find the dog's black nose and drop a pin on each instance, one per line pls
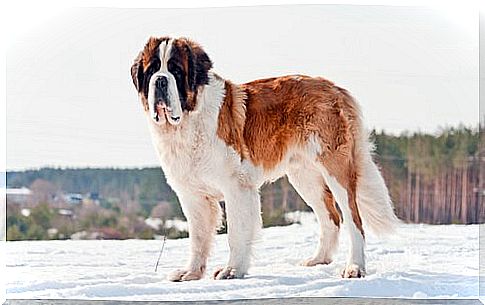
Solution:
(161, 82)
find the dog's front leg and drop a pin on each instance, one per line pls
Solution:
(243, 212)
(203, 217)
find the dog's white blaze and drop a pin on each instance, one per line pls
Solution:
(172, 92)
(164, 49)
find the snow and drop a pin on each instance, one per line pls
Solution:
(156, 223)
(419, 261)
(177, 224)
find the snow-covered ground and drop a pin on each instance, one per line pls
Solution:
(420, 261)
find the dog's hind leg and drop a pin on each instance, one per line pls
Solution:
(341, 177)
(310, 185)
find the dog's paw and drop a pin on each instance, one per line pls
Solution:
(227, 273)
(310, 262)
(353, 271)
(184, 275)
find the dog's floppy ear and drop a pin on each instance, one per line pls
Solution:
(137, 72)
(191, 68)
(199, 65)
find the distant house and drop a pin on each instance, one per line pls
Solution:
(25, 212)
(73, 198)
(94, 197)
(65, 212)
(18, 195)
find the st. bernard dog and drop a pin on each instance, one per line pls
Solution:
(217, 140)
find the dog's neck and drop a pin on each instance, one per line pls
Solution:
(210, 96)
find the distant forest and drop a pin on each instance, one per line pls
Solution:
(436, 179)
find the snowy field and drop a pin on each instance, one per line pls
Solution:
(421, 261)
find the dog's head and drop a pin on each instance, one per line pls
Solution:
(167, 74)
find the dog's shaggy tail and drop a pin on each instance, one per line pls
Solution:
(375, 205)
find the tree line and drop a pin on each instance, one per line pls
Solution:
(433, 178)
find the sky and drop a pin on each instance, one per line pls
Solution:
(71, 101)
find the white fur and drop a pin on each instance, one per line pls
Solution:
(375, 205)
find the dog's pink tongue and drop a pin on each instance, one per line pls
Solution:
(159, 109)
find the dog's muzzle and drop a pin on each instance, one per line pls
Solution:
(162, 105)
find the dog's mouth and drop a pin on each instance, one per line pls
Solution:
(163, 111)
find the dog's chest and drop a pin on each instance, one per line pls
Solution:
(185, 156)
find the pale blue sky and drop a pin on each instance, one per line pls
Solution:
(70, 100)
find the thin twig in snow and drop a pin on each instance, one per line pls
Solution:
(161, 250)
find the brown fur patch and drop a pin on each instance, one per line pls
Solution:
(144, 102)
(182, 58)
(150, 51)
(352, 197)
(330, 203)
(341, 165)
(285, 111)
(356, 215)
(232, 119)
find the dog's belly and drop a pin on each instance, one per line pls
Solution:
(293, 159)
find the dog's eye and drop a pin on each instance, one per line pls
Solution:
(171, 66)
(176, 71)
(156, 64)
